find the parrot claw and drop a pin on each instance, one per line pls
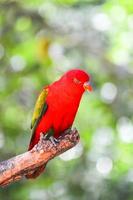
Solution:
(75, 130)
(54, 141)
(68, 131)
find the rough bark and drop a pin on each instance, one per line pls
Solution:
(17, 167)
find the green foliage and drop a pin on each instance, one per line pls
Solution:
(39, 40)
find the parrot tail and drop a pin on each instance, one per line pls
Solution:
(36, 173)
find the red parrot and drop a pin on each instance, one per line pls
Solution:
(57, 106)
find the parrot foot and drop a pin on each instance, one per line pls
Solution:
(68, 131)
(52, 139)
(72, 134)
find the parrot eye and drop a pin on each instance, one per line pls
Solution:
(75, 80)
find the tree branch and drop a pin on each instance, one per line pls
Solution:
(17, 167)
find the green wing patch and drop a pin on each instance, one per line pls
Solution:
(40, 107)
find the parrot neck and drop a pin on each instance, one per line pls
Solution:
(71, 90)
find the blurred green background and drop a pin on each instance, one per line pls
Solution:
(39, 41)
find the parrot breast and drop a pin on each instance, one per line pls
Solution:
(62, 108)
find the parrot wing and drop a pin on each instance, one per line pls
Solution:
(40, 108)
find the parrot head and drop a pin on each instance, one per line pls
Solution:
(78, 79)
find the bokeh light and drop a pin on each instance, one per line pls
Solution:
(108, 92)
(74, 153)
(125, 130)
(17, 63)
(101, 22)
(104, 165)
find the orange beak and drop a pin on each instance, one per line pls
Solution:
(87, 86)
